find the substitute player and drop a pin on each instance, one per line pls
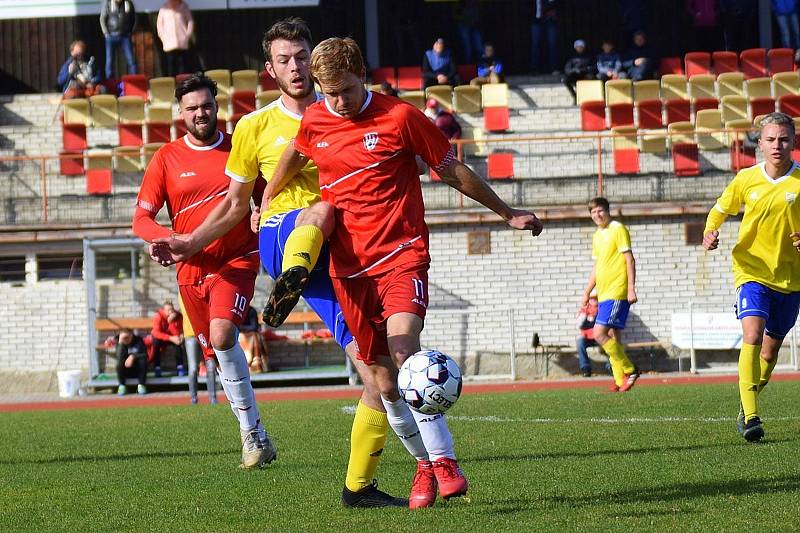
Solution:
(291, 236)
(216, 283)
(766, 267)
(614, 276)
(365, 146)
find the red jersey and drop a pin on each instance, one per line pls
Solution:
(368, 172)
(191, 181)
(163, 329)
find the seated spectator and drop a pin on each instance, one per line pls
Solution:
(131, 361)
(490, 69)
(386, 88)
(252, 342)
(79, 77)
(438, 66)
(640, 61)
(586, 318)
(581, 66)
(609, 64)
(168, 333)
(444, 120)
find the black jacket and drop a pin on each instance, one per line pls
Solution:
(117, 18)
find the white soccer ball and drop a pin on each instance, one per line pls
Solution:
(429, 382)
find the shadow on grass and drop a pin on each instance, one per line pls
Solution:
(117, 457)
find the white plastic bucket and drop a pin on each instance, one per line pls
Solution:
(69, 382)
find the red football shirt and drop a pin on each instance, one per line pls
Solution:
(191, 181)
(368, 172)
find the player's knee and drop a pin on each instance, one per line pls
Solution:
(752, 337)
(223, 336)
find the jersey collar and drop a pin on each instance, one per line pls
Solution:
(292, 114)
(367, 100)
(204, 148)
(775, 181)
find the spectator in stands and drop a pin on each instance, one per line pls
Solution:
(585, 339)
(704, 20)
(444, 120)
(131, 361)
(581, 66)
(640, 61)
(739, 23)
(175, 26)
(438, 66)
(786, 16)
(168, 333)
(78, 77)
(490, 69)
(386, 88)
(543, 29)
(252, 342)
(609, 64)
(117, 20)
(467, 16)
(194, 355)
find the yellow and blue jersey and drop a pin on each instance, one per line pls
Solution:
(609, 245)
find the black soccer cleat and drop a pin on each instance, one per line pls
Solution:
(288, 288)
(753, 430)
(371, 497)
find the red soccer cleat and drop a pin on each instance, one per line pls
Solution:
(423, 488)
(630, 380)
(450, 478)
(613, 388)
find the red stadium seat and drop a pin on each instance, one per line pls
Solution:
(71, 163)
(697, 63)
(762, 106)
(685, 159)
(73, 137)
(409, 78)
(753, 63)
(382, 74)
(725, 61)
(705, 103)
(593, 116)
(670, 65)
(677, 111)
(98, 181)
(626, 160)
(134, 85)
(180, 127)
(467, 72)
(742, 156)
(158, 132)
(266, 81)
(620, 115)
(243, 102)
(780, 60)
(789, 104)
(796, 149)
(650, 116)
(130, 134)
(496, 118)
(500, 166)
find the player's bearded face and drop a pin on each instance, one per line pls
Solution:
(199, 113)
(289, 66)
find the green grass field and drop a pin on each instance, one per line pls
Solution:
(655, 459)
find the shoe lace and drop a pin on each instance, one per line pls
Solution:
(423, 478)
(252, 442)
(448, 469)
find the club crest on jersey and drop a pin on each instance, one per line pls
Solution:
(791, 197)
(371, 140)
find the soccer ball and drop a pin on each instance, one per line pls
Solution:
(429, 382)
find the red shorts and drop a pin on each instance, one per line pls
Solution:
(225, 295)
(367, 302)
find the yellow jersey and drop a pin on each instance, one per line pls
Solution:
(609, 245)
(258, 142)
(764, 251)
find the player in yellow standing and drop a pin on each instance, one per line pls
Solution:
(766, 265)
(614, 276)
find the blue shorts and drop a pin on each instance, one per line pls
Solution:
(319, 292)
(613, 313)
(777, 308)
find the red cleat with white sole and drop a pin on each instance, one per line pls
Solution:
(450, 478)
(423, 488)
(630, 380)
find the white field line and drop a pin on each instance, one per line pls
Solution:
(350, 410)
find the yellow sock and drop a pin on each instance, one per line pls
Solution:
(366, 445)
(749, 376)
(766, 371)
(302, 247)
(620, 364)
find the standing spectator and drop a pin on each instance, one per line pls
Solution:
(467, 16)
(168, 332)
(175, 26)
(704, 20)
(117, 20)
(438, 66)
(609, 64)
(252, 342)
(586, 317)
(490, 69)
(543, 28)
(739, 23)
(78, 77)
(580, 66)
(444, 120)
(640, 61)
(786, 17)
(194, 355)
(131, 361)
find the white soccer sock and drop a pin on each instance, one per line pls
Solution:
(236, 383)
(436, 435)
(402, 422)
(225, 389)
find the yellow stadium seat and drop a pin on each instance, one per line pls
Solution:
(76, 111)
(223, 106)
(589, 91)
(149, 150)
(442, 94)
(674, 87)
(702, 86)
(104, 110)
(654, 141)
(741, 127)
(708, 123)
(494, 95)
(730, 84)
(131, 109)
(733, 108)
(127, 159)
(101, 158)
(415, 98)
(646, 90)
(619, 92)
(681, 133)
(245, 80)
(785, 83)
(222, 77)
(467, 99)
(266, 97)
(759, 88)
(162, 91)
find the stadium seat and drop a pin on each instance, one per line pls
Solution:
(180, 126)
(742, 155)
(496, 119)
(149, 150)
(409, 78)
(790, 104)
(467, 72)
(796, 150)
(222, 77)
(243, 102)
(494, 95)
(382, 74)
(733, 108)
(466, 99)
(759, 92)
(131, 118)
(702, 92)
(130, 134)
(415, 98)
(653, 141)
(442, 94)
(730, 83)
(182, 76)
(500, 165)
(71, 163)
(73, 125)
(675, 95)
(589, 91)
(104, 110)
(724, 61)
(127, 159)
(685, 157)
(786, 83)
(650, 114)
(697, 63)
(158, 132)
(245, 80)
(134, 85)
(619, 101)
(266, 82)
(593, 115)
(626, 150)
(780, 60)
(708, 124)
(267, 97)
(162, 91)
(223, 107)
(670, 65)
(98, 181)
(73, 137)
(753, 63)
(76, 111)
(646, 90)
